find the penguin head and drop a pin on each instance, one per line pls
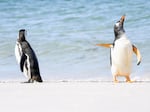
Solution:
(118, 27)
(22, 33)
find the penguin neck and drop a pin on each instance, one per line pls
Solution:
(21, 38)
(119, 34)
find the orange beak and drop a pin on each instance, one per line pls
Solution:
(122, 19)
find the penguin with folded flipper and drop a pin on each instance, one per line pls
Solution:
(121, 51)
(27, 59)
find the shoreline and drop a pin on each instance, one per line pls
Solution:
(21, 81)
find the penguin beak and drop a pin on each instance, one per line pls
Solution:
(122, 19)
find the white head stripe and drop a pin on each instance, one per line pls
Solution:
(117, 24)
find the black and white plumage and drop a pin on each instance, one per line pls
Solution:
(121, 52)
(26, 58)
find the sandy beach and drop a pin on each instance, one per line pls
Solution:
(74, 96)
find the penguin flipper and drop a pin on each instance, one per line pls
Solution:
(105, 45)
(138, 54)
(22, 61)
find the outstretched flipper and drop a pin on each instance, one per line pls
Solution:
(137, 52)
(22, 61)
(105, 45)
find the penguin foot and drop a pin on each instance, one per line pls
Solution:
(130, 81)
(116, 81)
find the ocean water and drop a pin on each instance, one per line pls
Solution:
(63, 34)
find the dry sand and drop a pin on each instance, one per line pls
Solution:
(74, 97)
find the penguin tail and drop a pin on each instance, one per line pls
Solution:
(37, 78)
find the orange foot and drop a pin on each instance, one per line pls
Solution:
(116, 81)
(130, 81)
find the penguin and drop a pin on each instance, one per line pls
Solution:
(121, 52)
(27, 59)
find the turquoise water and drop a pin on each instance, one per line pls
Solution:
(63, 34)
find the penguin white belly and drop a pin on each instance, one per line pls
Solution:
(121, 56)
(18, 52)
(25, 71)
